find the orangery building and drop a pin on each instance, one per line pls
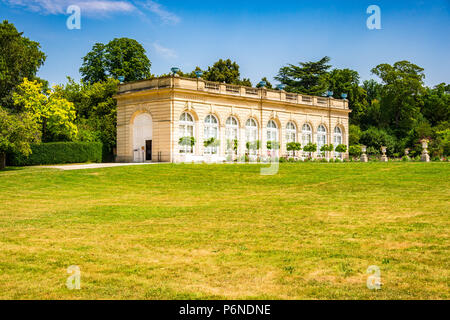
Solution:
(174, 119)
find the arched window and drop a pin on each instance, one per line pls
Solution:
(337, 139)
(232, 134)
(272, 135)
(306, 134)
(291, 135)
(321, 137)
(251, 136)
(272, 131)
(211, 132)
(291, 132)
(337, 136)
(186, 132)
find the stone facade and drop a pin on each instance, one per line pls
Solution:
(167, 99)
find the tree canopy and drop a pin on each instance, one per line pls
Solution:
(96, 110)
(347, 81)
(19, 58)
(120, 57)
(54, 114)
(17, 132)
(401, 95)
(226, 71)
(223, 71)
(306, 78)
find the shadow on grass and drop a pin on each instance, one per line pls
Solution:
(12, 169)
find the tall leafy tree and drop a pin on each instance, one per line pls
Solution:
(94, 67)
(347, 81)
(225, 71)
(436, 104)
(307, 77)
(96, 110)
(17, 132)
(120, 57)
(54, 114)
(19, 58)
(373, 90)
(401, 95)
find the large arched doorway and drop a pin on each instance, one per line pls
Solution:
(143, 137)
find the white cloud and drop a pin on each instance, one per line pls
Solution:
(88, 7)
(156, 8)
(98, 7)
(164, 52)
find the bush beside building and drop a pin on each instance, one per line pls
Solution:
(59, 153)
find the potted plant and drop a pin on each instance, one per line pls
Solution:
(232, 145)
(326, 149)
(253, 146)
(211, 142)
(293, 147)
(187, 141)
(310, 148)
(342, 148)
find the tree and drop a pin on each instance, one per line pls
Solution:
(347, 81)
(95, 67)
(224, 71)
(17, 131)
(376, 138)
(54, 114)
(96, 111)
(268, 84)
(354, 134)
(293, 146)
(436, 107)
(120, 57)
(442, 142)
(273, 145)
(373, 90)
(341, 148)
(400, 95)
(354, 151)
(19, 58)
(310, 147)
(372, 116)
(307, 78)
(246, 82)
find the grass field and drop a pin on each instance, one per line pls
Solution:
(226, 232)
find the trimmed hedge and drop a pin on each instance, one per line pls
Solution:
(59, 153)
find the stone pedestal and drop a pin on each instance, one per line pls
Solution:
(384, 158)
(364, 158)
(425, 157)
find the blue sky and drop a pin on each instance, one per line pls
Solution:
(260, 35)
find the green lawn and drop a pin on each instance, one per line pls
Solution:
(226, 232)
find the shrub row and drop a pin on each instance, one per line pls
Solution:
(59, 153)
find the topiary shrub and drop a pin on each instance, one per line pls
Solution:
(342, 148)
(310, 147)
(355, 151)
(59, 153)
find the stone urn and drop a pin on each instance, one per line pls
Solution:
(407, 153)
(384, 158)
(425, 156)
(364, 157)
